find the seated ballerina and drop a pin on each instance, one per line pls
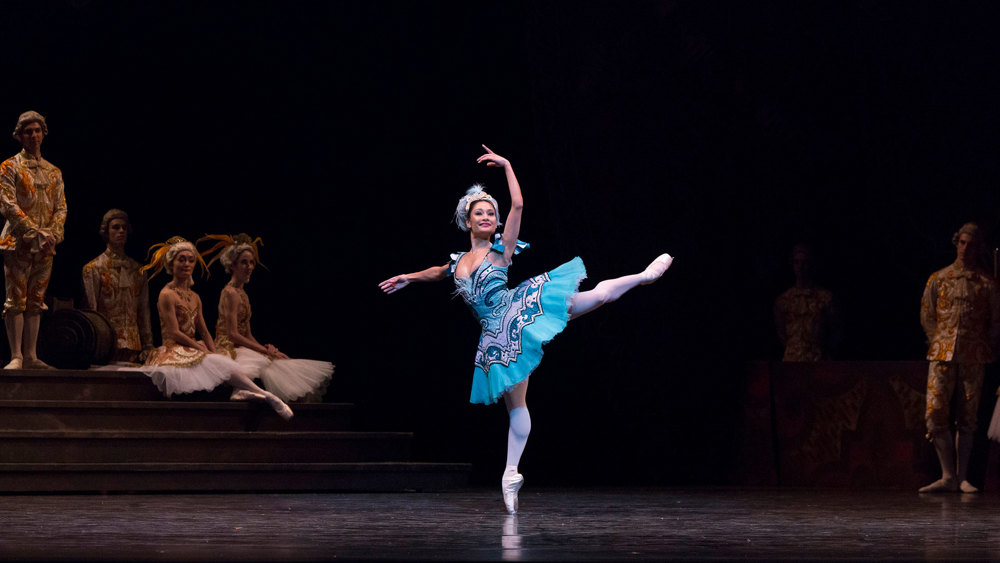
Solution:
(183, 364)
(289, 379)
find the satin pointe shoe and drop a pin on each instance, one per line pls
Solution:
(283, 410)
(656, 268)
(244, 395)
(510, 486)
(15, 363)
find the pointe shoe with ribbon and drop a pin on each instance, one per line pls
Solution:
(283, 410)
(510, 486)
(656, 268)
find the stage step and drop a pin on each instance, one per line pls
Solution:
(115, 446)
(77, 385)
(234, 477)
(169, 415)
(113, 431)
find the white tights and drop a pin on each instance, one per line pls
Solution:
(604, 292)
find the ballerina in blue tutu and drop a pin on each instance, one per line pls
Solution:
(515, 322)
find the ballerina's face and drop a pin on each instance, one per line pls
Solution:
(482, 219)
(184, 264)
(244, 266)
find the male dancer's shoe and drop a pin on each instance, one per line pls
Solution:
(35, 363)
(510, 486)
(967, 487)
(656, 269)
(15, 363)
(941, 486)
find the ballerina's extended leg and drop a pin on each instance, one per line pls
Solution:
(610, 290)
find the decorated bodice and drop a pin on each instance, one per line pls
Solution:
(186, 311)
(242, 313)
(485, 290)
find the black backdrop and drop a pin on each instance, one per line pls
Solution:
(343, 133)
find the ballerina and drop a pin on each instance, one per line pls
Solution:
(289, 379)
(183, 364)
(515, 322)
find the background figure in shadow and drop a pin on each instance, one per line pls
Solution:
(114, 287)
(960, 313)
(805, 316)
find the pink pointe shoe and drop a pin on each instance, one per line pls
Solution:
(656, 269)
(510, 486)
(244, 395)
(283, 410)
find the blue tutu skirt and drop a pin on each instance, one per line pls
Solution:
(537, 312)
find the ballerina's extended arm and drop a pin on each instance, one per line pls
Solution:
(395, 283)
(512, 227)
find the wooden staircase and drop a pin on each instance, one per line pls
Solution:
(108, 431)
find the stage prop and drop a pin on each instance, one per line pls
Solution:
(75, 339)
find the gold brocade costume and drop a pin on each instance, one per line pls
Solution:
(172, 353)
(960, 313)
(32, 200)
(804, 319)
(114, 287)
(222, 340)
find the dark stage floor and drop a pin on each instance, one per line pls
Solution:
(558, 525)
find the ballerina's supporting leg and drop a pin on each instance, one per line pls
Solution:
(517, 437)
(610, 290)
(241, 381)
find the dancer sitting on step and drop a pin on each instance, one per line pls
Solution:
(183, 364)
(287, 378)
(515, 322)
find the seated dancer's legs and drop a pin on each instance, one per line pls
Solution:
(610, 290)
(517, 437)
(242, 382)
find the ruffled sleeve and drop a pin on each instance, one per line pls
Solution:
(499, 247)
(454, 262)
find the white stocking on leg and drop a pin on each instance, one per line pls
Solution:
(610, 290)
(31, 324)
(14, 323)
(944, 445)
(517, 437)
(964, 448)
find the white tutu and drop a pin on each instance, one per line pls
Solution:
(206, 375)
(288, 379)
(994, 431)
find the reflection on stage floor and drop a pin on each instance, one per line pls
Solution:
(554, 525)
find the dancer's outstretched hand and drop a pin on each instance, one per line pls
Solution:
(493, 159)
(394, 284)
